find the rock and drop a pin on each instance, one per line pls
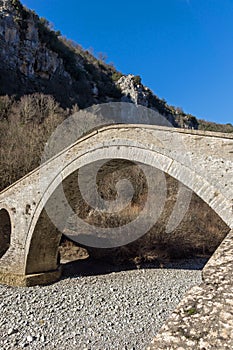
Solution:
(96, 325)
(11, 331)
(134, 91)
(30, 339)
(34, 58)
(21, 48)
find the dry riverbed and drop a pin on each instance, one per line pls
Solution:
(108, 310)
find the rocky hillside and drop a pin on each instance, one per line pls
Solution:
(43, 79)
(35, 58)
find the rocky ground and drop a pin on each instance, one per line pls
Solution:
(107, 310)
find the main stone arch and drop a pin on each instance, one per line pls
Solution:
(203, 164)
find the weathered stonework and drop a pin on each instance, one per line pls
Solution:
(12, 279)
(201, 161)
(204, 318)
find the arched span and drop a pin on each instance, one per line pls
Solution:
(5, 231)
(139, 152)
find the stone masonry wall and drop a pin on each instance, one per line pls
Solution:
(204, 318)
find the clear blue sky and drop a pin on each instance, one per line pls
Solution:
(182, 49)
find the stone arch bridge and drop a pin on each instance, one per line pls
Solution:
(202, 161)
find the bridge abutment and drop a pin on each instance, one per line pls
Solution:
(29, 280)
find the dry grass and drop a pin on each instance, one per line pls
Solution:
(26, 125)
(199, 234)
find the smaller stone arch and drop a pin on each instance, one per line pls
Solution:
(5, 231)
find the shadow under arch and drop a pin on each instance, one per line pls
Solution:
(137, 153)
(5, 231)
(198, 235)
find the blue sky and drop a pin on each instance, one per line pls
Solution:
(182, 49)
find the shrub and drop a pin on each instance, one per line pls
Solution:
(37, 107)
(6, 103)
(137, 80)
(55, 44)
(24, 130)
(116, 76)
(210, 126)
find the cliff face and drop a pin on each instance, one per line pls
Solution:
(134, 91)
(21, 48)
(25, 62)
(34, 58)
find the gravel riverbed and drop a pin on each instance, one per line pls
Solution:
(120, 310)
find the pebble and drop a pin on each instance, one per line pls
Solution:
(29, 338)
(10, 331)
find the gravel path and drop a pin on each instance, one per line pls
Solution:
(121, 310)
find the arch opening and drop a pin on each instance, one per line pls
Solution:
(149, 157)
(200, 233)
(5, 231)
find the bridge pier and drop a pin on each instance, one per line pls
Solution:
(25, 259)
(40, 266)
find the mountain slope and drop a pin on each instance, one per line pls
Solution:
(46, 78)
(34, 58)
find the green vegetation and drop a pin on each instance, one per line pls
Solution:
(210, 126)
(160, 104)
(75, 58)
(17, 5)
(191, 311)
(116, 76)
(64, 51)
(85, 70)
(22, 13)
(137, 80)
(26, 122)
